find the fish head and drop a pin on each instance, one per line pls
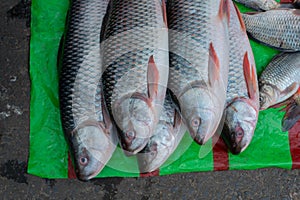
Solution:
(201, 113)
(135, 120)
(268, 95)
(240, 122)
(158, 148)
(92, 148)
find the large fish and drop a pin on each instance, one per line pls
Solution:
(242, 104)
(85, 121)
(278, 28)
(136, 62)
(167, 135)
(280, 80)
(198, 42)
(260, 4)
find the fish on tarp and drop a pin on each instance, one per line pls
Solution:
(259, 4)
(242, 103)
(280, 80)
(134, 43)
(279, 28)
(198, 44)
(85, 121)
(167, 135)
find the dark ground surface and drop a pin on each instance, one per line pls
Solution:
(14, 135)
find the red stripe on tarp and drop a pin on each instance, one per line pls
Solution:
(150, 174)
(220, 154)
(71, 171)
(286, 1)
(294, 139)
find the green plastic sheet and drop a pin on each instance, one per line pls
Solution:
(48, 149)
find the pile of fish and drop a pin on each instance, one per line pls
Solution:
(139, 73)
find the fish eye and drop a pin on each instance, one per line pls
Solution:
(240, 134)
(130, 134)
(196, 122)
(83, 161)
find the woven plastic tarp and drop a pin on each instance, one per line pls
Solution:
(49, 156)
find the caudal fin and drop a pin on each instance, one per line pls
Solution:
(291, 116)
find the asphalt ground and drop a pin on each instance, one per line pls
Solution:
(15, 183)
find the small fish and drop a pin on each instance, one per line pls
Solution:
(85, 121)
(242, 104)
(198, 44)
(280, 80)
(260, 4)
(167, 135)
(278, 28)
(134, 43)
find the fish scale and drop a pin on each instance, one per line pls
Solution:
(88, 130)
(134, 32)
(166, 137)
(278, 28)
(282, 71)
(196, 29)
(79, 80)
(242, 104)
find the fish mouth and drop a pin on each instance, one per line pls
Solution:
(200, 139)
(235, 149)
(83, 177)
(131, 150)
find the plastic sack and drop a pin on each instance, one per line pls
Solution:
(49, 156)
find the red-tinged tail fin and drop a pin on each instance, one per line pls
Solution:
(224, 10)
(250, 77)
(152, 78)
(291, 117)
(213, 65)
(243, 27)
(164, 10)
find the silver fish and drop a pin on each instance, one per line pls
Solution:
(260, 4)
(85, 121)
(242, 103)
(198, 42)
(136, 63)
(167, 135)
(280, 80)
(278, 28)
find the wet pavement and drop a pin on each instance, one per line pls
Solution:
(15, 183)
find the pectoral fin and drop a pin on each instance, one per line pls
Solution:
(152, 78)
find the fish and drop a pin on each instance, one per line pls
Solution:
(279, 80)
(198, 45)
(242, 103)
(134, 43)
(167, 135)
(296, 4)
(279, 28)
(87, 126)
(259, 4)
(292, 115)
